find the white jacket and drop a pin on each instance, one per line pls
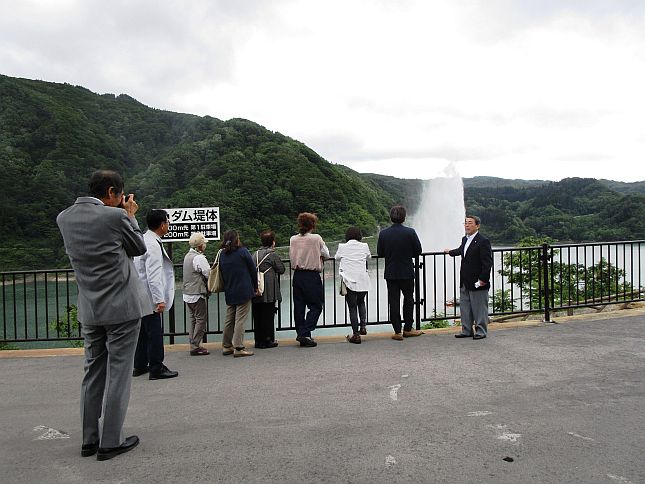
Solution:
(155, 269)
(353, 257)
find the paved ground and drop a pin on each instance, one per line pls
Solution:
(565, 403)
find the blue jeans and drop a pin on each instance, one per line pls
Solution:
(307, 292)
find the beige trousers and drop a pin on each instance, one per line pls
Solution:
(234, 322)
(198, 316)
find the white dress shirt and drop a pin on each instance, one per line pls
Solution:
(468, 241)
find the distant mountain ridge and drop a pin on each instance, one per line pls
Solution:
(571, 210)
(52, 136)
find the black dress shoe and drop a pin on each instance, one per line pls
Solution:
(163, 374)
(129, 444)
(307, 342)
(479, 336)
(267, 345)
(462, 335)
(88, 450)
(138, 372)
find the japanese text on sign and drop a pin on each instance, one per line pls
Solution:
(187, 221)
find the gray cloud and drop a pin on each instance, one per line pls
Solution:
(340, 148)
(561, 118)
(496, 20)
(136, 46)
(585, 157)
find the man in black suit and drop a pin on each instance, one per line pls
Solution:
(476, 263)
(399, 245)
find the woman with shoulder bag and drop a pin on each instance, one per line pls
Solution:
(270, 267)
(240, 287)
(353, 257)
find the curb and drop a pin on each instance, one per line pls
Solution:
(55, 352)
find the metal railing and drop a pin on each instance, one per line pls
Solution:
(39, 306)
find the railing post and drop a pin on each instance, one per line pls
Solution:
(545, 271)
(171, 313)
(417, 292)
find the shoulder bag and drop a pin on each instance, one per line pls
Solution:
(215, 279)
(260, 273)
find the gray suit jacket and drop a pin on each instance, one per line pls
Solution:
(100, 242)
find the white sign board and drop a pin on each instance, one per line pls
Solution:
(187, 221)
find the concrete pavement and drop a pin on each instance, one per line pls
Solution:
(536, 403)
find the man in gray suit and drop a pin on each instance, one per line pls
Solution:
(101, 235)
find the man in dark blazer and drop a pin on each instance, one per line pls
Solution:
(101, 235)
(399, 245)
(476, 262)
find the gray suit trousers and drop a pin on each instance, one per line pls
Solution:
(105, 391)
(473, 306)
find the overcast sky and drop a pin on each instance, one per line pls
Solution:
(534, 89)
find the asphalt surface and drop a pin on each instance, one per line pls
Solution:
(547, 403)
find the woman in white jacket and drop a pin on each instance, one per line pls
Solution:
(353, 257)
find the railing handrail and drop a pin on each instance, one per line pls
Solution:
(524, 280)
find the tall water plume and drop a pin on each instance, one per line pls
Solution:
(439, 218)
(439, 222)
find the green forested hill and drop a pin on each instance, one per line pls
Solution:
(574, 209)
(52, 136)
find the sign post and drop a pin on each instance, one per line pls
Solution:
(183, 223)
(186, 221)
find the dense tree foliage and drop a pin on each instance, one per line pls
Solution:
(574, 209)
(52, 136)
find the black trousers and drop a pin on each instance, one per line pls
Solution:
(307, 293)
(396, 287)
(356, 306)
(149, 353)
(263, 327)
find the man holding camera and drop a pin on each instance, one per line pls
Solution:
(101, 234)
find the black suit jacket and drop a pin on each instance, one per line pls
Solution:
(477, 263)
(399, 245)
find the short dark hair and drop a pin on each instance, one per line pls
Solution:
(397, 214)
(231, 241)
(267, 237)
(306, 222)
(101, 181)
(353, 233)
(477, 220)
(155, 218)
